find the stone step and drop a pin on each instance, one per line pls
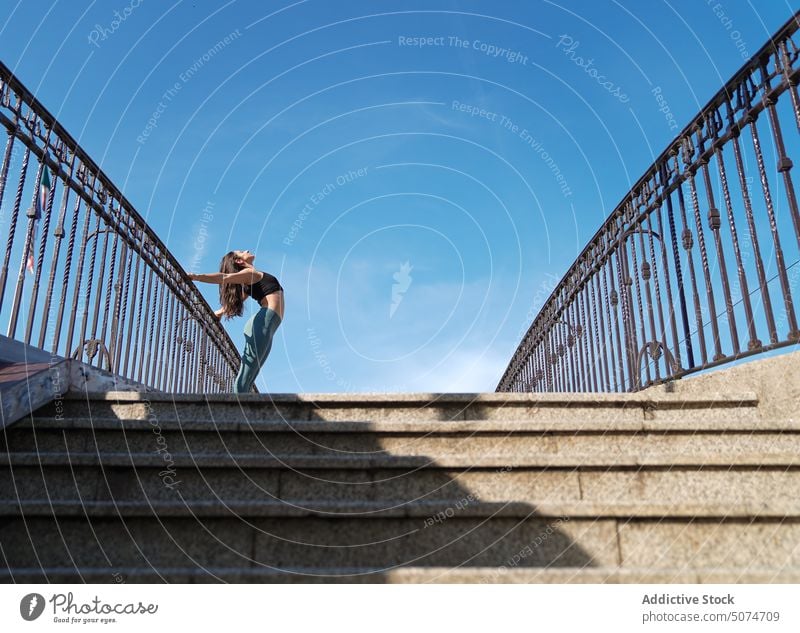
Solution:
(756, 453)
(382, 543)
(761, 487)
(416, 575)
(725, 421)
(428, 512)
(207, 438)
(407, 407)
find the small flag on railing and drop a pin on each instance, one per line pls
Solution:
(41, 205)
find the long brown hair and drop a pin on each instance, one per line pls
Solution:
(231, 296)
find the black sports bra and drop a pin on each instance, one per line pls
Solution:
(264, 286)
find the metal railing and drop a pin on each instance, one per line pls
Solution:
(699, 264)
(111, 295)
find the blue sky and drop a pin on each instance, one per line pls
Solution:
(419, 175)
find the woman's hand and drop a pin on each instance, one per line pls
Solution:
(193, 276)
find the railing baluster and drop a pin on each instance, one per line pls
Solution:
(784, 162)
(753, 340)
(118, 311)
(175, 334)
(551, 361)
(759, 262)
(67, 270)
(143, 347)
(561, 351)
(786, 290)
(790, 79)
(676, 258)
(591, 380)
(613, 317)
(714, 223)
(120, 329)
(625, 311)
(109, 293)
(542, 374)
(58, 235)
(6, 164)
(158, 342)
(548, 364)
(90, 280)
(654, 267)
(701, 242)
(602, 368)
(647, 273)
(634, 273)
(28, 246)
(12, 230)
(192, 353)
(204, 385)
(580, 343)
(687, 241)
(150, 348)
(44, 223)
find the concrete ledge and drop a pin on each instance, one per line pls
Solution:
(86, 380)
(14, 351)
(25, 387)
(30, 378)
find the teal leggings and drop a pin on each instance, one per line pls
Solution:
(258, 333)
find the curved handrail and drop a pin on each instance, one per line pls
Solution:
(646, 322)
(159, 331)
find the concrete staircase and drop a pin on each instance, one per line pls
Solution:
(693, 482)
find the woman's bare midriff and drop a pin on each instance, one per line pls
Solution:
(274, 300)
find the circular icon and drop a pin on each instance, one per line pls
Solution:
(31, 606)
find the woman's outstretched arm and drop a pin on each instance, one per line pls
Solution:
(212, 278)
(241, 277)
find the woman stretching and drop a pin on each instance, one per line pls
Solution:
(237, 280)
